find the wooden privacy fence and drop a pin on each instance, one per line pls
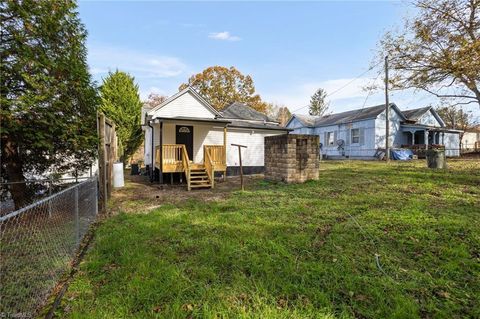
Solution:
(107, 155)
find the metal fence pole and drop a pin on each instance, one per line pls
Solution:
(95, 194)
(77, 221)
(50, 201)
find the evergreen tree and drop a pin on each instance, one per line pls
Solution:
(121, 103)
(318, 103)
(48, 102)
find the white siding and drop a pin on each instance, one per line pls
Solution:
(253, 155)
(148, 146)
(469, 139)
(429, 119)
(396, 135)
(185, 105)
(452, 144)
(299, 128)
(204, 134)
(364, 148)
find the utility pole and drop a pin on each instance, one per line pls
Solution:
(387, 113)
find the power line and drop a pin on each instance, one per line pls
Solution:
(345, 85)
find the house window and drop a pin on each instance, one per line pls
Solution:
(355, 135)
(330, 138)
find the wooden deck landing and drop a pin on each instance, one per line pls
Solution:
(175, 160)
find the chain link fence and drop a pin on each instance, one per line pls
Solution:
(39, 240)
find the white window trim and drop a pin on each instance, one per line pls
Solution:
(330, 135)
(357, 136)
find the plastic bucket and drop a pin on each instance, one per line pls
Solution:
(118, 175)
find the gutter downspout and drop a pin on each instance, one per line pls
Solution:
(152, 168)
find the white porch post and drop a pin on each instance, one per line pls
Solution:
(413, 137)
(426, 139)
(225, 152)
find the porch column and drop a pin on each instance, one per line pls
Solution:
(443, 138)
(225, 152)
(426, 139)
(413, 137)
(152, 156)
(160, 139)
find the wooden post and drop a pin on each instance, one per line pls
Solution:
(387, 113)
(114, 143)
(101, 163)
(225, 152)
(160, 168)
(240, 162)
(110, 164)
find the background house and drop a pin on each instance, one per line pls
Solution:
(361, 134)
(471, 139)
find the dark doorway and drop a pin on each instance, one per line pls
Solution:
(184, 135)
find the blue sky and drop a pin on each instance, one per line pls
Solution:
(289, 48)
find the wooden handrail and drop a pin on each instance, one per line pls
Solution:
(217, 154)
(209, 166)
(157, 155)
(186, 165)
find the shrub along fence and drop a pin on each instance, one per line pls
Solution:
(38, 242)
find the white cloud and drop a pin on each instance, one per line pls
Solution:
(340, 91)
(139, 64)
(223, 36)
(348, 94)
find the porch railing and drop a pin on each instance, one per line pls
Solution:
(209, 166)
(186, 165)
(217, 154)
(173, 158)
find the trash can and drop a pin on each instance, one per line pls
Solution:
(436, 158)
(134, 169)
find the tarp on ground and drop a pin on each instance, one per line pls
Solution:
(401, 154)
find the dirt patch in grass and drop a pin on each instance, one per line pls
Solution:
(140, 195)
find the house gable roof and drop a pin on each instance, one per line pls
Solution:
(240, 111)
(345, 117)
(189, 90)
(414, 115)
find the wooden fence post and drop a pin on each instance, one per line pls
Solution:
(101, 164)
(240, 159)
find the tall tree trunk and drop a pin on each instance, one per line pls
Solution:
(13, 167)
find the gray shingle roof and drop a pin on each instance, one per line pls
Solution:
(251, 125)
(240, 111)
(343, 117)
(415, 114)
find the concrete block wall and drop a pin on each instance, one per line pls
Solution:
(292, 158)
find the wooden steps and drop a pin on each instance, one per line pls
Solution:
(199, 177)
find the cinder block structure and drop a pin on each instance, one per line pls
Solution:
(292, 158)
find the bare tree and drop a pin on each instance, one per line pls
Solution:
(438, 50)
(154, 100)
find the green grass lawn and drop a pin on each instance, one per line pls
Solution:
(294, 251)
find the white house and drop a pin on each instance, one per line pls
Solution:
(361, 133)
(471, 139)
(195, 139)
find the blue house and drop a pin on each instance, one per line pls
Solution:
(361, 134)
